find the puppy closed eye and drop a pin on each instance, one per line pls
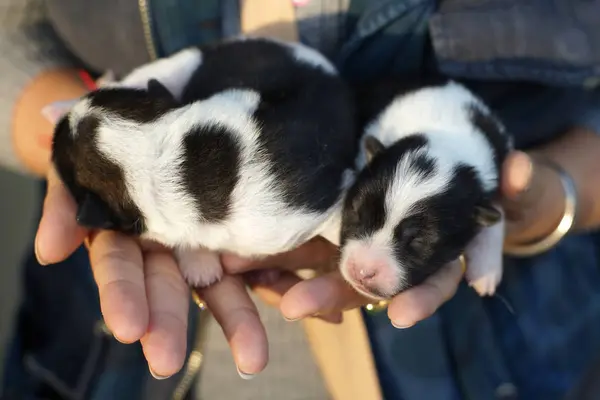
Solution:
(411, 234)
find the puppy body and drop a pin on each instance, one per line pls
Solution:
(430, 163)
(243, 147)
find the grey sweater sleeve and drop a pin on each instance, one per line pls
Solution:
(28, 46)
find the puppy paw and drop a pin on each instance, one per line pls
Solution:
(200, 267)
(486, 284)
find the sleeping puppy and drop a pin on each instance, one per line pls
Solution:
(430, 163)
(244, 146)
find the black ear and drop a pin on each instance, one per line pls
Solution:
(93, 213)
(372, 147)
(487, 215)
(157, 89)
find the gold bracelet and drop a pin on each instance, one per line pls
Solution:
(564, 226)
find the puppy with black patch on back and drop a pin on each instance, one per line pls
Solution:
(427, 190)
(244, 146)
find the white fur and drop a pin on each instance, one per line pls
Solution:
(150, 155)
(200, 267)
(311, 57)
(79, 110)
(441, 114)
(173, 72)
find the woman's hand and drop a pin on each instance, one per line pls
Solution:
(533, 200)
(142, 293)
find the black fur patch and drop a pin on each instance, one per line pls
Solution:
(133, 104)
(83, 169)
(306, 115)
(492, 130)
(364, 208)
(438, 228)
(211, 170)
(373, 97)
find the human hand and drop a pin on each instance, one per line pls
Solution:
(533, 198)
(328, 295)
(142, 293)
(531, 195)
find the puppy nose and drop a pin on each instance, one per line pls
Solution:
(363, 271)
(367, 273)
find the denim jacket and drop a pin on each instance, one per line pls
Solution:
(536, 62)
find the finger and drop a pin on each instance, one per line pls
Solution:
(271, 291)
(324, 295)
(420, 302)
(58, 233)
(233, 309)
(517, 173)
(313, 254)
(118, 270)
(168, 296)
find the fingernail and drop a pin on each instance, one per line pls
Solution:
(290, 319)
(398, 326)
(40, 260)
(156, 376)
(243, 375)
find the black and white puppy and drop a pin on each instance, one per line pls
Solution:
(244, 146)
(429, 164)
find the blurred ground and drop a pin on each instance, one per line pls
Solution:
(291, 373)
(16, 219)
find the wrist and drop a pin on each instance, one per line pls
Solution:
(31, 132)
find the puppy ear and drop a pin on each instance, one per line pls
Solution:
(93, 213)
(372, 147)
(53, 112)
(487, 214)
(157, 89)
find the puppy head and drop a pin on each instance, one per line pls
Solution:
(96, 182)
(407, 215)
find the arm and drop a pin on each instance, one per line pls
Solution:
(33, 72)
(537, 212)
(29, 127)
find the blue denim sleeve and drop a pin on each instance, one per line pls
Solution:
(535, 114)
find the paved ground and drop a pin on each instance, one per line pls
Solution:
(291, 374)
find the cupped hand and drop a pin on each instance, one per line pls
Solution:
(328, 295)
(529, 195)
(142, 293)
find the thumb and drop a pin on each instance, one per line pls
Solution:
(58, 233)
(532, 197)
(519, 184)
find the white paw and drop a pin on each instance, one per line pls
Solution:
(485, 284)
(199, 267)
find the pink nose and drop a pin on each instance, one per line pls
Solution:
(371, 273)
(367, 273)
(363, 272)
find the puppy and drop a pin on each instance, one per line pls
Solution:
(244, 146)
(429, 163)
